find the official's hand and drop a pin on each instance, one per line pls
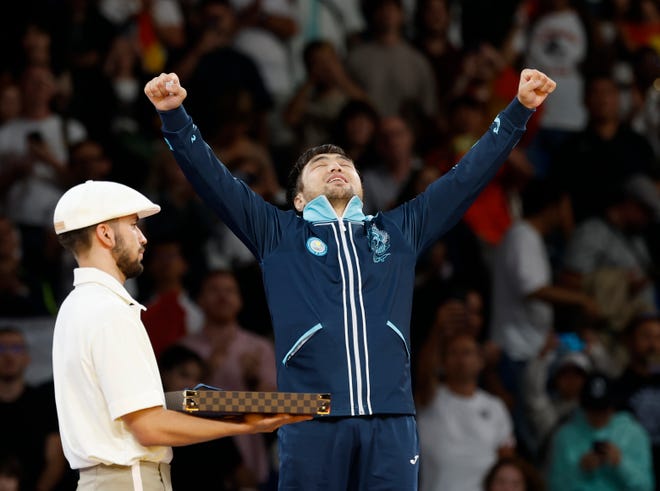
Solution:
(266, 423)
(165, 92)
(534, 87)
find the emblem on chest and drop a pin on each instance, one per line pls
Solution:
(379, 243)
(316, 246)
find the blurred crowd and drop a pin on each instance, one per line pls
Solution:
(536, 330)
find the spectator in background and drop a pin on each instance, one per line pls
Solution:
(463, 430)
(399, 161)
(599, 448)
(236, 358)
(183, 216)
(131, 129)
(397, 77)
(525, 292)
(82, 37)
(639, 384)
(265, 29)
(21, 295)
(558, 43)
(315, 105)
(608, 258)
(87, 161)
(355, 132)
(602, 155)
(157, 27)
(10, 102)
(171, 313)
(218, 72)
(34, 151)
(10, 474)
(37, 142)
(432, 21)
(513, 474)
(37, 449)
(339, 22)
(182, 368)
(552, 383)
(459, 309)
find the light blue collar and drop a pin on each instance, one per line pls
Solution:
(320, 210)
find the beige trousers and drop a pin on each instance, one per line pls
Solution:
(143, 476)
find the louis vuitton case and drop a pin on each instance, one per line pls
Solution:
(211, 402)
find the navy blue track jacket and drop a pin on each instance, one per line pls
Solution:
(340, 289)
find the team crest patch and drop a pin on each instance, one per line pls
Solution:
(379, 243)
(316, 246)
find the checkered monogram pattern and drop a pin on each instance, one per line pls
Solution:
(241, 402)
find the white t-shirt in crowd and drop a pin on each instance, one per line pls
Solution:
(103, 368)
(557, 46)
(459, 439)
(31, 200)
(521, 266)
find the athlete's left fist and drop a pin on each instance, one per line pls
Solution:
(534, 87)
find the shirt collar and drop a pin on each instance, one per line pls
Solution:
(320, 210)
(95, 275)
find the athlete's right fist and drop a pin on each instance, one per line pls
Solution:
(165, 92)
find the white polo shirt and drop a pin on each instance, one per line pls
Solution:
(103, 368)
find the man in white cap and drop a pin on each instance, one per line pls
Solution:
(110, 402)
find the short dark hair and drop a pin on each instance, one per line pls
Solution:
(533, 480)
(78, 240)
(176, 355)
(293, 186)
(311, 48)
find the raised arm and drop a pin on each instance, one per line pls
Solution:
(445, 201)
(254, 221)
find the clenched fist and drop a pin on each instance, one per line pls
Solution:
(534, 87)
(165, 92)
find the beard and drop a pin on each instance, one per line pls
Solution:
(129, 267)
(343, 193)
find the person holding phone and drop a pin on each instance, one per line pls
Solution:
(600, 448)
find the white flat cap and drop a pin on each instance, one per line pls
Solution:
(98, 201)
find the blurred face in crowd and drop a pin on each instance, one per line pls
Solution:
(219, 18)
(166, 264)
(435, 16)
(388, 16)
(10, 102)
(39, 87)
(89, 161)
(645, 345)
(360, 129)
(329, 174)
(462, 360)
(569, 381)
(220, 298)
(508, 478)
(395, 139)
(14, 357)
(602, 100)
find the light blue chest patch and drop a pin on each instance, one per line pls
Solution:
(316, 246)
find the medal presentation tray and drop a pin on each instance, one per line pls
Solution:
(230, 404)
